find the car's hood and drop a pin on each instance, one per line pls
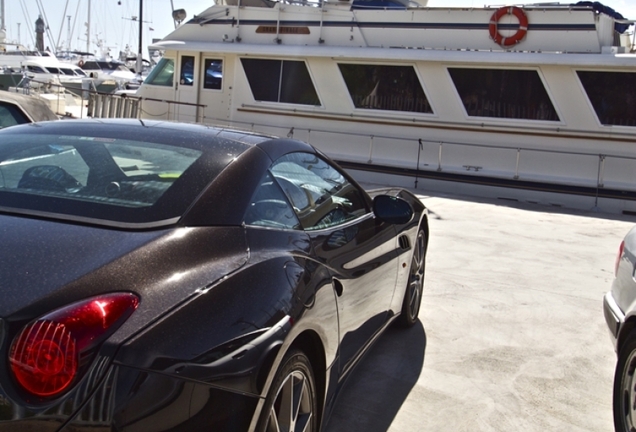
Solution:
(46, 264)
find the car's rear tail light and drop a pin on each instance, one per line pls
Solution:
(45, 356)
(621, 248)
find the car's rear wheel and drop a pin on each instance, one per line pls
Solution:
(415, 284)
(291, 403)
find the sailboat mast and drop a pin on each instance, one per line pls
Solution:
(88, 29)
(2, 27)
(141, 28)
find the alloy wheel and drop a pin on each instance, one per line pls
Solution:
(628, 393)
(416, 277)
(292, 410)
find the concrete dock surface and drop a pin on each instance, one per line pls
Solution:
(511, 334)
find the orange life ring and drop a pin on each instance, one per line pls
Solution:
(80, 63)
(515, 38)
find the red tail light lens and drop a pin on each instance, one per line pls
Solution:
(45, 356)
(621, 248)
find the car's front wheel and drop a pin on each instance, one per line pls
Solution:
(291, 403)
(415, 285)
(625, 387)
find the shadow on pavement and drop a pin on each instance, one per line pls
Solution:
(379, 385)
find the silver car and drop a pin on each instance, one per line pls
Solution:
(619, 307)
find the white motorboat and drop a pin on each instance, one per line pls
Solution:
(41, 66)
(534, 103)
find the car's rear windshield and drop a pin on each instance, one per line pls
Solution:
(106, 180)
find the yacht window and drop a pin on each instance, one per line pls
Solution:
(162, 74)
(503, 93)
(90, 65)
(35, 69)
(381, 87)
(613, 96)
(187, 71)
(213, 74)
(53, 70)
(286, 81)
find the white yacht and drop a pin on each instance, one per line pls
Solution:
(41, 66)
(533, 103)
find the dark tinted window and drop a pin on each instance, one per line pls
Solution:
(11, 115)
(393, 88)
(270, 208)
(90, 65)
(187, 71)
(320, 195)
(280, 81)
(500, 93)
(35, 69)
(108, 177)
(613, 96)
(213, 74)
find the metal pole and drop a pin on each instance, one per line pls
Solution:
(88, 29)
(68, 33)
(601, 172)
(141, 29)
(417, 168)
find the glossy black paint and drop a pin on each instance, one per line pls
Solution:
(221, 302)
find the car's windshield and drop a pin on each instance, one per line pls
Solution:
(112, 179)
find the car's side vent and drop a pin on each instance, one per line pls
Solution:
(405, 244)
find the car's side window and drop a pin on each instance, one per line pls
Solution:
(321, 196)
(270, 208)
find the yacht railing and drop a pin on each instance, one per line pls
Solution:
(416, 156)
(80, 103)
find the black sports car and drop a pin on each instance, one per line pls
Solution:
(168, 277)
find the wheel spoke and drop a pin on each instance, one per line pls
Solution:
(628, 394)
(272, 424)
(302, 421)
(292, 409)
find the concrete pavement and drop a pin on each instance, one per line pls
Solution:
(512, 335)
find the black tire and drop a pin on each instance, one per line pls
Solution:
(625, 387)
(291, 403)
(415, 285)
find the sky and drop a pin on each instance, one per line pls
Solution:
(114, 22)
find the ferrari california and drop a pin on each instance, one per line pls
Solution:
(159, 276)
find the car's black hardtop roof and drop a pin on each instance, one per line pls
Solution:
(230, 166)
(187, 135)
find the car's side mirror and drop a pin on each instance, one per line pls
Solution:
(392, 209)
